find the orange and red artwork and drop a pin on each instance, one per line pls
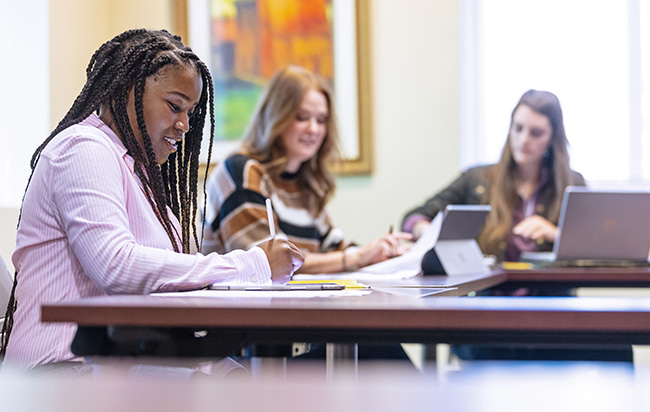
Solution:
(251, 40)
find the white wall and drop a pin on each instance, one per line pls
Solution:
(415, 71)
(24, 105)
(415, 75)
(79, 27)
(24, 91)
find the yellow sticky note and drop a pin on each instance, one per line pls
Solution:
(348, 283)
(516, 265)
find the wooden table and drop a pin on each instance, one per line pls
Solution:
(560, 277)
(603, 277)
(190, 327)
(155, 326)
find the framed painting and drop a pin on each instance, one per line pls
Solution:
(244, 42)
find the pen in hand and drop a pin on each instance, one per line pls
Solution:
(269, 215)
(395, 248)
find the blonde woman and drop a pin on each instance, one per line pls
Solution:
(289, 144)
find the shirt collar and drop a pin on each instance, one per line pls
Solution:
(95, 121)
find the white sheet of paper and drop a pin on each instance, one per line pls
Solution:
(412, 259)
(266, 293)
(402, 267)
(360, 276)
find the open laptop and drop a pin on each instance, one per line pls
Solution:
(600, 228)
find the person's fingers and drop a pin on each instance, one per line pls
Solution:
(526, 227)
(394, 240)
(284, 257)
(522, 231)
(535, 229)
(294, 248)
(402, 235)
(297, 260)
(403, 248)
(520, 227)
(386, 248)
(528, 232)
(535, 234)
(395, 247)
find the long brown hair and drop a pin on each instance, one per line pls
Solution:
(275, 112)
(119, 65)
(502, 195)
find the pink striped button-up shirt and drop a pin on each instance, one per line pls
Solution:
(87, 229)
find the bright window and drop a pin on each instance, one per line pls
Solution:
(590, 53)
(24, 88)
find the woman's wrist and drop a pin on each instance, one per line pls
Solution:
(350, 259)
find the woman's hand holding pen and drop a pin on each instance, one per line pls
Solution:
(284, 258)
(388, 246)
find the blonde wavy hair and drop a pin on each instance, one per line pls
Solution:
(502, 195)
(276, 110)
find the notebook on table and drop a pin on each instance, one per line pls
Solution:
(600, 228)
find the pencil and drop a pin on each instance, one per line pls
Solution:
(269, 215)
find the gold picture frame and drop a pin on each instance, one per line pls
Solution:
(361, 162)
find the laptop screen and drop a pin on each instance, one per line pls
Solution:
(463, 221)
(603, 225)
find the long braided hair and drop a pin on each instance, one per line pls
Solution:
(119, 65)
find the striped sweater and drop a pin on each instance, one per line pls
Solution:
(236, 212)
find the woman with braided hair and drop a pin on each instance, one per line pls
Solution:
(112, 200)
